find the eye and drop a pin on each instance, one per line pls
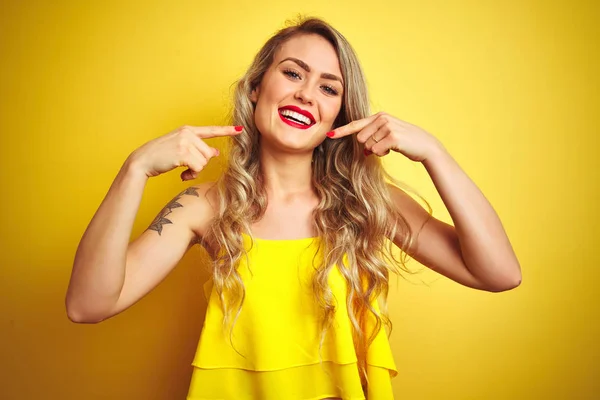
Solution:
(291, 73)
(330, 90)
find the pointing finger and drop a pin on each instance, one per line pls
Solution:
(352, 127)
(207, 132)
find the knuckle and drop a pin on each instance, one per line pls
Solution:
(185, 130)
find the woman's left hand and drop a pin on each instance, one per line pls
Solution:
(382, 132)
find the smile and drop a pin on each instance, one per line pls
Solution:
(296, 117)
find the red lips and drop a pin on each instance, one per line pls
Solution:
(300, 111)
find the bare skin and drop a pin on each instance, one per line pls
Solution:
(110, 274)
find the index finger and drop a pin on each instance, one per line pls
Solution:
(352, 127)
(207, 132)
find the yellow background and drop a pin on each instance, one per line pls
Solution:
(511, 88)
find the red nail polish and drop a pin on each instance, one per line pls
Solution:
(367, 152)
(330, 134)
(239, 128)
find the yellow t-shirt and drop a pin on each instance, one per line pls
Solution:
(277, 336)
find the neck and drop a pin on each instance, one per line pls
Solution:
(286, 175)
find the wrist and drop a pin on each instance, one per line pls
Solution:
(133, 166)
(436, 154)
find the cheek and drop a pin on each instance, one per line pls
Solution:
(262, 115)
(333, 110)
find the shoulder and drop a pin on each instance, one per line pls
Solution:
(201, 203)
(407, 206)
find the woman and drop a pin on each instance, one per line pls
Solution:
(300, 228)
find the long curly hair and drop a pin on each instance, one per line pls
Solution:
(354, 217)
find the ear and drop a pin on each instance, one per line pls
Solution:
(254, 94)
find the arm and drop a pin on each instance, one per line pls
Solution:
(478, 235)
(477, 253)
(110, 274)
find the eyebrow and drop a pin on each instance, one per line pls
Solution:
(306, 67)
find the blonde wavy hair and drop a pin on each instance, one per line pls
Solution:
(353, 218)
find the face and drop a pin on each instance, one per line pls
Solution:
(300, 94)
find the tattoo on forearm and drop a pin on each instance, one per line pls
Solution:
(161, 219)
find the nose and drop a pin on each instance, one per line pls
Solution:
(304, 94)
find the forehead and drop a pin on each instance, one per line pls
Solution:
(314, 50)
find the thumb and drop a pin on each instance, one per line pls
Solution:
(188, 175)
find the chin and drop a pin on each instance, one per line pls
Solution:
(290, 140)
(295, 147)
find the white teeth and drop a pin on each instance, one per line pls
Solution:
(297, 116)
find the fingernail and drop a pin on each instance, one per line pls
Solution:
(218, 152)
(239, 128)
(367, 152)
(330, 134)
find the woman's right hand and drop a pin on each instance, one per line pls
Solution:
(184, 146)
